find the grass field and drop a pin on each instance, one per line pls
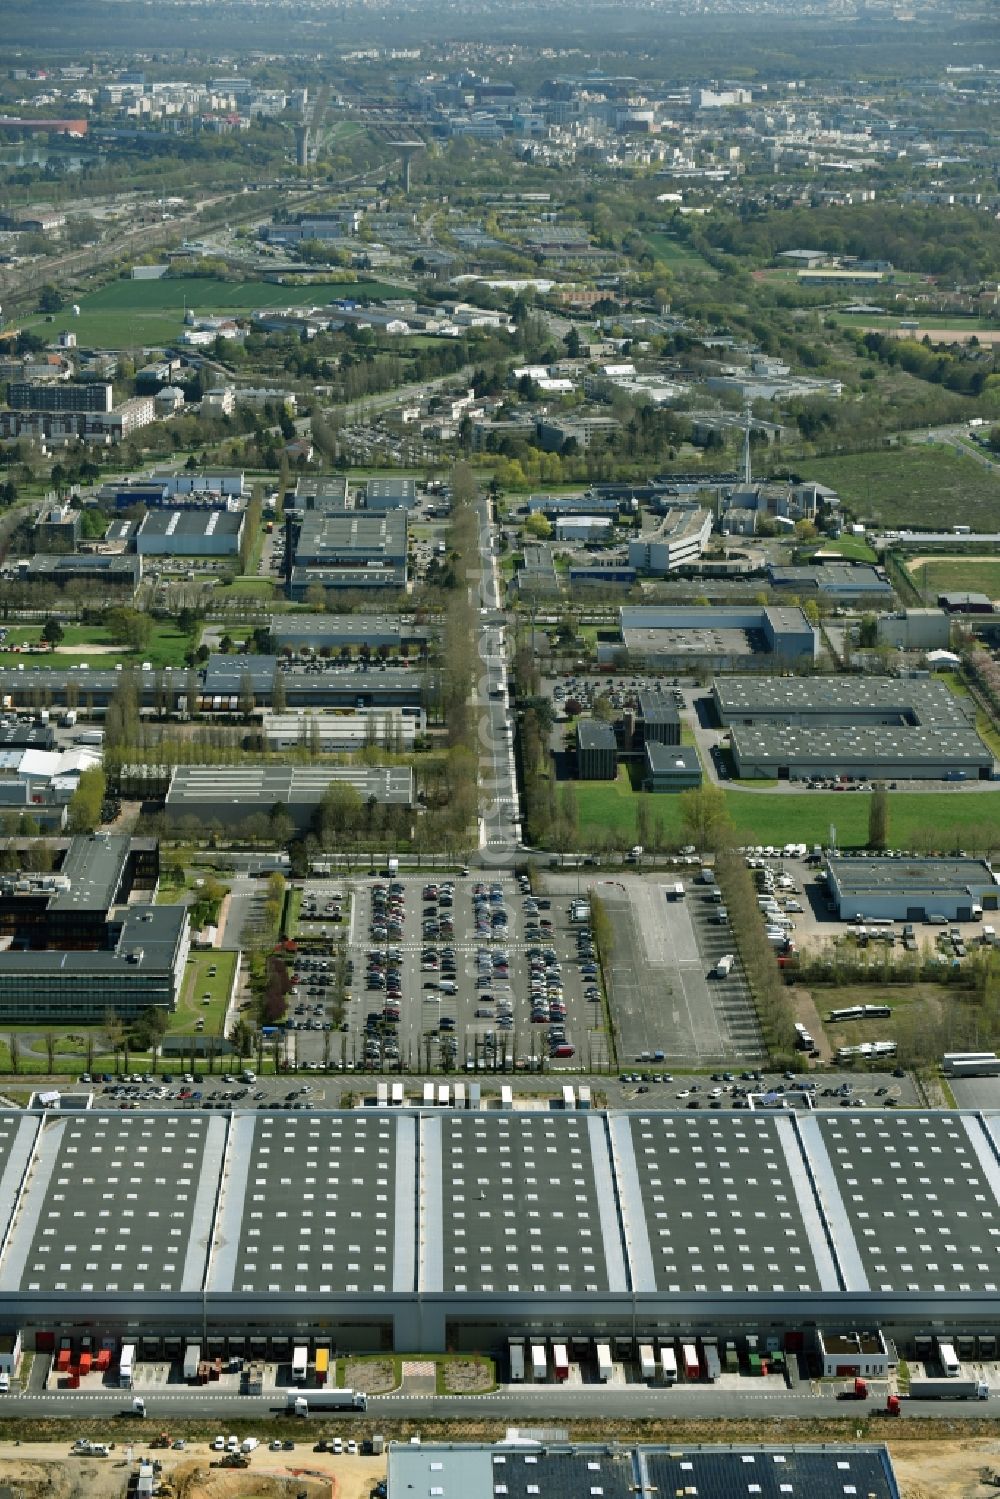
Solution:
(929, 485)
(958, 574)
(889, 322)
(126, 314)
(166, 647)
(851, 547)
(676, 254)
(199, 980)
(917, 819)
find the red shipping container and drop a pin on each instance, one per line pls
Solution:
(85, 1362)
(104, 1359)
(63, 1359)
(73, 1382)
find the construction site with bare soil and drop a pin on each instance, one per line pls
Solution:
(939, 1460)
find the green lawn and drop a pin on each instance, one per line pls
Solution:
(128, 313)
(676, 254)
(971, 818)
(198, 980)
(926, 485)
(166, 647)
(960, 574)
(852, 547)
(889, 322)
(253, 587)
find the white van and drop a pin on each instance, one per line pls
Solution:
(447, 986)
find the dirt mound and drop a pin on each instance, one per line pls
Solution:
(200, 1481)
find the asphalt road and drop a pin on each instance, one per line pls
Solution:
(529, 1402)
(500, 816)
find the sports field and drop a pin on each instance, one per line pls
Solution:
(927, 484)
(130, 314)
(934, 575)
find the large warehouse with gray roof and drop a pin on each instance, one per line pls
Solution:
(524, 1466)
(415, 1229)
(864, 727)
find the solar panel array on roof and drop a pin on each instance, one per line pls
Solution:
(319, 1209)
(766, 1473)
(590, 1474)
(721, 1205)
(123, 1209)
(920, 1194)
(520, 1205)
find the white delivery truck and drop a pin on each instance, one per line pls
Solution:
(647, 1362)
(517, 1363)
(539, 1362)
(325, 1400)
(724, 966)
(668, 1366)
(605, 1367)
(300, 1364)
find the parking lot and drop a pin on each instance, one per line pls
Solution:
(663, 1000)
(458, 970)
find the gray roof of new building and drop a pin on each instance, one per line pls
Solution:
(919, 1197)
(403, 491)
(523, 1466)
(829, 1472)
(656, 707)
(347, 628)
(197, 789)
(522, 1473)
(915, 877)
(884, 745)
(124, 1203)
(957, 601)
(686, 1211)
(380, 575)
(924, 701)
(352, 537)
(191, 524)
(302, 1227)
(664, 758)
(114, 563)
(224, 675)
(592, 733)
(227, 674)
(94, 868)
(148, 942)
(523, 1208)
(727, 1204)
(832, 577)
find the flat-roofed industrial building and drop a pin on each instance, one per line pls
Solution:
(791, 752)
(526, 1466)
(911, 889)
(420, 1229)
(230, 795)
(722, 638)
(901, 728)
(386, 728)
(190, 533)
(833, 702)
(355, 632)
